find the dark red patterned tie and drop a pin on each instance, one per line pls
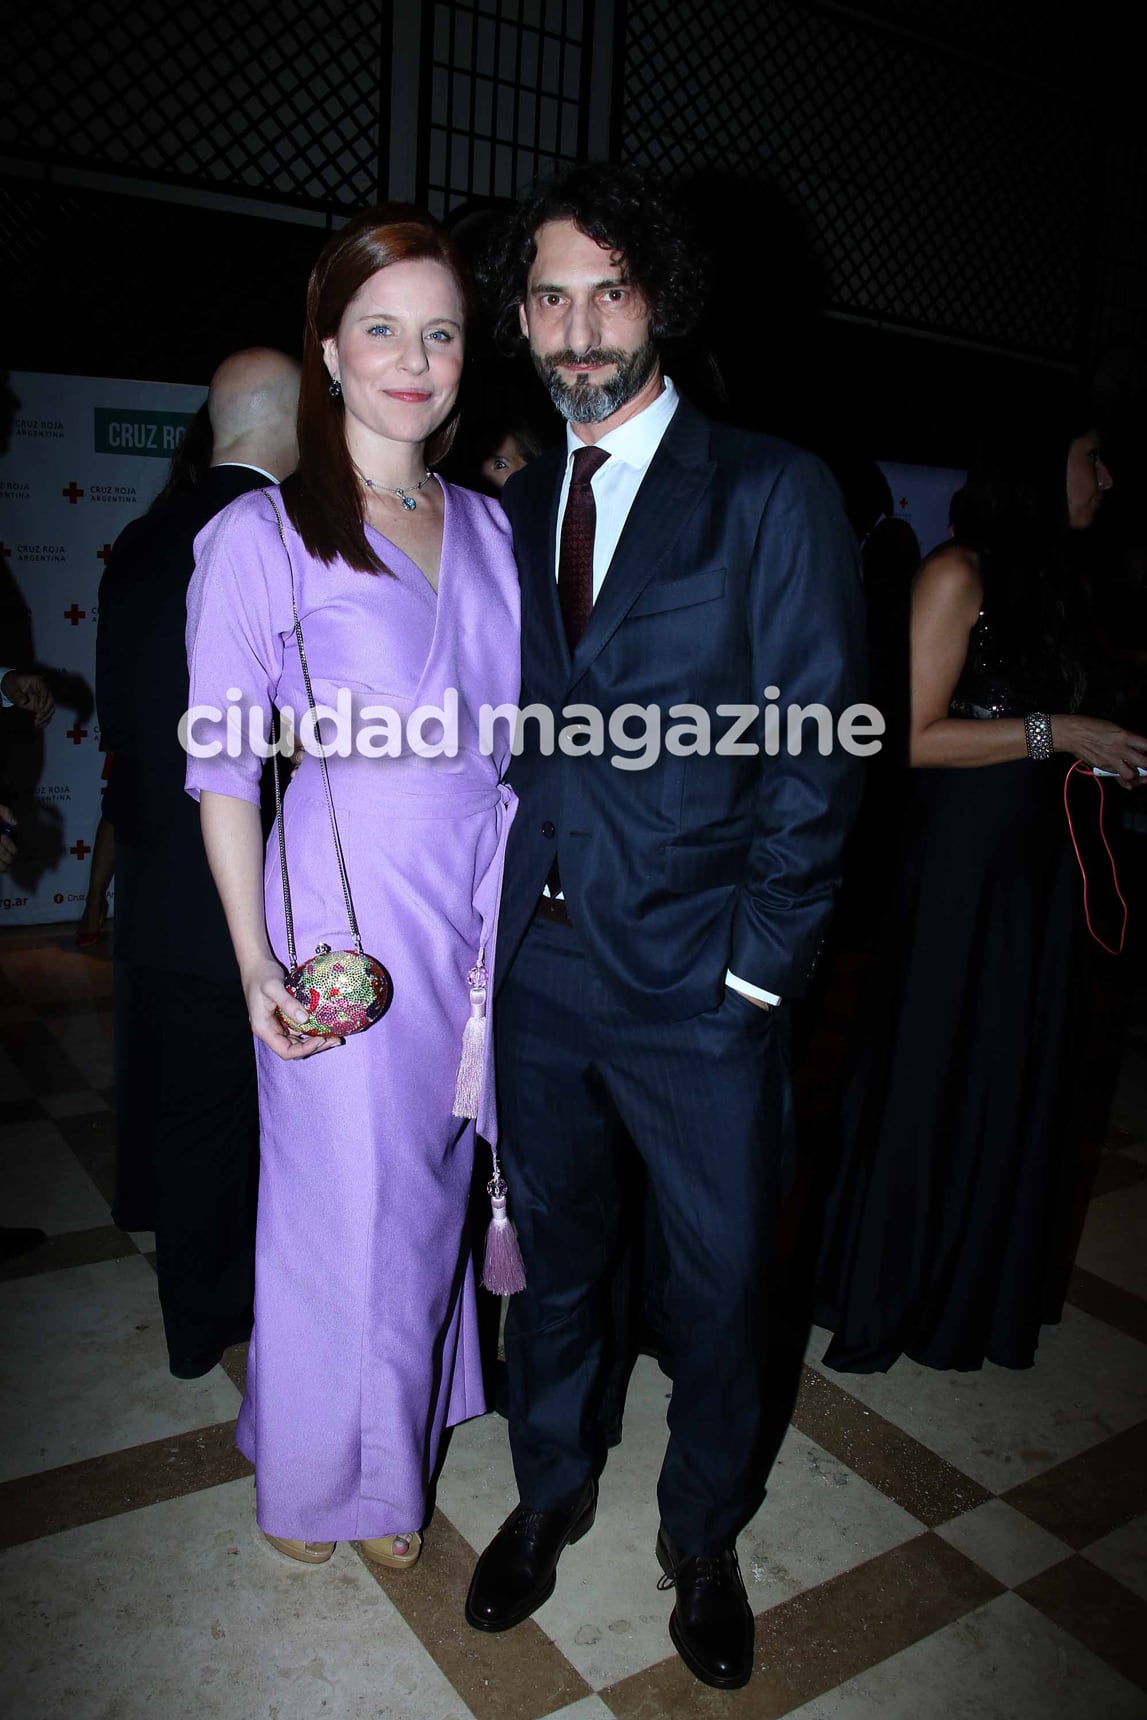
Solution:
(575, 557)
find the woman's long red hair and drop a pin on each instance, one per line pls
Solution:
(323, 496)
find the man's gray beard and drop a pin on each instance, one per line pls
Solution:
(586, 402)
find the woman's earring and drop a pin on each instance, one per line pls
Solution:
(335, 388)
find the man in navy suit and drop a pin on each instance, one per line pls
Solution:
(656, 920)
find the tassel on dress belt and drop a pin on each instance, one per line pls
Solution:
(503, 1273)
(468, 1092)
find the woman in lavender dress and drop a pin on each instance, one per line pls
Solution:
(365, 1345)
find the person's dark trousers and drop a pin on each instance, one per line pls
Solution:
(205, 1153)
(138, 1031)
(706, 1102)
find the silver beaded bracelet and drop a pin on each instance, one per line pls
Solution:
(1037, 728)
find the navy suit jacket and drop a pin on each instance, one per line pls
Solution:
(167, 910)
(736, 570)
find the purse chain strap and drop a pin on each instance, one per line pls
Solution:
(326, 781)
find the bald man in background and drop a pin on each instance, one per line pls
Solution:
(187, 1129)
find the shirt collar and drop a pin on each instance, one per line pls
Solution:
(637, 440)
(246, 466)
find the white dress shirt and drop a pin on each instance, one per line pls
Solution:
(615, 484)
(247, 466)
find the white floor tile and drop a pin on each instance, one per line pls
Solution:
(1123, 1555)
(179, 1612)
(72, 1104)
(84, 1365)
(1005, 1543)
(1003, 1425)
(43, 1183)
(87, 1041)
(1003, 1662)
(1112, 1241)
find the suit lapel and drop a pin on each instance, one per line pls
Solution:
(535, 521)
(678, 477)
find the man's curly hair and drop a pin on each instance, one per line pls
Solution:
(625, 208)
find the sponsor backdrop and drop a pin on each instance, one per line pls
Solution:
(921, 495)
(85, 456)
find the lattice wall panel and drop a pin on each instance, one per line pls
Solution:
(940, 195)
(506, 83)
(282, 101)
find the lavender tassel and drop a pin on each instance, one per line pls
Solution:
(502, 1273)
(468, 1092)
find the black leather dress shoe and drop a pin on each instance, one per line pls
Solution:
(712, 1621)
(518, 1570)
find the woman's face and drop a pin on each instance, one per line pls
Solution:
(502, 462)
(1088, 480)
(398, 354)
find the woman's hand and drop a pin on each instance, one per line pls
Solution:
(1103, 745)
(265, 993)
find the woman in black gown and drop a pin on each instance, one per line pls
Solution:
(946, 1221)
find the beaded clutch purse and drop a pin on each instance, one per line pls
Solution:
(343, 991)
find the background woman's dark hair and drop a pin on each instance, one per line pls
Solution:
(630, 211)
(190, 461)
(323, 496)
(1013, 512)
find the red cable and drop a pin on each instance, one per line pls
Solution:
(1085, 770)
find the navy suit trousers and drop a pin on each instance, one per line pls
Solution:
(707, 1102)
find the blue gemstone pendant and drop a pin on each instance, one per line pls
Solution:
(409, 503)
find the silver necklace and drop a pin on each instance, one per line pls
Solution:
(403, 492)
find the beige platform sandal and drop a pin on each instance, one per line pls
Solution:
(381, 1551)
(303, 1552)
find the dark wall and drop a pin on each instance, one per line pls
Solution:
(104, 285)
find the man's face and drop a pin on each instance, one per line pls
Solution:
(587, 325)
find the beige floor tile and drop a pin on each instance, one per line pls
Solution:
(1001, 1662)
(43, 1183)
(1112, 1241)
(1005, 1542)
(1002, 1425)
(1123, 1555)
(177, 1611)
(85, 1368)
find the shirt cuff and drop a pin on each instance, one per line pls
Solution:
(754, 991)
(5, 701)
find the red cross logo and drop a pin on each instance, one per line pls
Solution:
(79, 849)
(76, 734)
(72, 492)
(75, 615)
(104, 554)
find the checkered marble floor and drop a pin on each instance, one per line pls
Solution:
(933, 1545)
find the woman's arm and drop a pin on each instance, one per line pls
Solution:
(946, 603)
(233, 838)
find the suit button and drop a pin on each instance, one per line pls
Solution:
(549, 828)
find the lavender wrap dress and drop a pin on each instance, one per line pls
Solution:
(365, 1344)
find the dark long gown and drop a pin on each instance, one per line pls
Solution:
(946, 1225)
